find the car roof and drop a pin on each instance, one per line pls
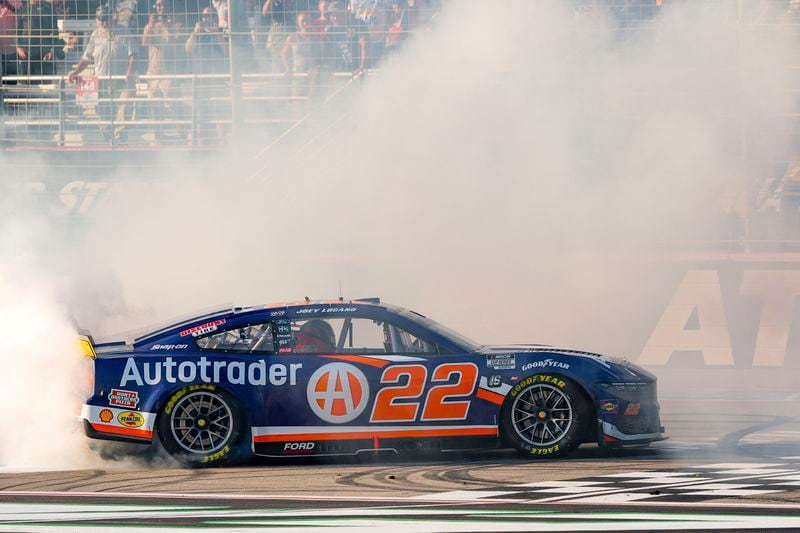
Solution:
(168, 326)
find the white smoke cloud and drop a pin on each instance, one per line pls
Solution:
(496, 175)
(45, 374)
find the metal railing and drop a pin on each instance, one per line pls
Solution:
(45, 111)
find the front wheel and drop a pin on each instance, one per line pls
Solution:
(201, 425)
(545, 416)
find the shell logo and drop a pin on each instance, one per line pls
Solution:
(337, 392)
(106, 415)
(130, 419)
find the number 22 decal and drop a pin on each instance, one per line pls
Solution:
(446, 401)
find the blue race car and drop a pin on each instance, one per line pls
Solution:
(344, 377)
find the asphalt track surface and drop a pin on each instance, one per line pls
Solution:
(733, 462)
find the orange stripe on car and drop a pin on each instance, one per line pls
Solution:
(131, 432)
(372, 435)
(359, 359)
(490, 396)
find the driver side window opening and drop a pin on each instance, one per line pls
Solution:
(353, 336)
(254, 338)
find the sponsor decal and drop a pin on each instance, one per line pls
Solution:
(494, 381)
(501, 361)
(313, 310)
(633, 409)
(715, 320)
(106, 415)
(540, 378)
(123, 398)
(299, 447)
(202, 329)
(255, 373)
(181, 393)
(130, 419)
(277, 313)
(337, 392)
(547, 363)
(169, 346)
(217, 455)
(545, 451)
(609, 406)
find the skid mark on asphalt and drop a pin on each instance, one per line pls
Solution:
(691, 484)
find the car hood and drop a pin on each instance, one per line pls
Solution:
(544, 348)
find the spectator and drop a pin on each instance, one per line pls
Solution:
(372, 14)
(206, 46)
(280, 17)
(222, 9)
(398, 26)
(300, 56)
(113, 54)
(347, 41)
(207, 54)
(319, 23)
(161, 36)
(421, 12)
(126, 15)
(8, 44)
(37, 39)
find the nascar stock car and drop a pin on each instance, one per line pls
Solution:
(344, 377)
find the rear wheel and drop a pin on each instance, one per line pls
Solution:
(201, 425)
(545, 416)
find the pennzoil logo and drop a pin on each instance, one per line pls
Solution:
(130, 419)
(337, 392)
(106, 415)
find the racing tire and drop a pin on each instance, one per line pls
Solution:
(202, 426)
(545, 416)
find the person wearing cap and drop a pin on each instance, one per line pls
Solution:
(347, 42)
(113, 54)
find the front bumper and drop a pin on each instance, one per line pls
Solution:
(611, 437)
(629, 416)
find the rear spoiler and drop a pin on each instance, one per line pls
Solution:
(87, 344)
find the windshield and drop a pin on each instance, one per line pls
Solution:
(453, 336)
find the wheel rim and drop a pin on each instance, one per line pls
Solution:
(201, 422)
(541, 415)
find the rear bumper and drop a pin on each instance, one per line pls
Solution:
(125, 425)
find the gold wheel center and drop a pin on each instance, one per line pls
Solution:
(542, 415)
(201, 423)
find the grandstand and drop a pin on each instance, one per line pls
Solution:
(91, 85)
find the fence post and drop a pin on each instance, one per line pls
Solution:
(194, 129)
(61, 97)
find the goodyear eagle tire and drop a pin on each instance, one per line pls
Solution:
(545, 416)
(202, 425)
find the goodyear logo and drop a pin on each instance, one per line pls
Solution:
(130, 419)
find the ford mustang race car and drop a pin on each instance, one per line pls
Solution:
(344, 377)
